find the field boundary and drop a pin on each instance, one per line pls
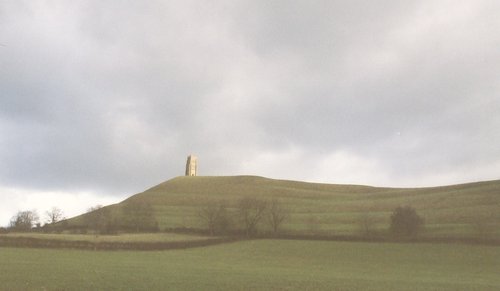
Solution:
(443, 240)
(28, 242)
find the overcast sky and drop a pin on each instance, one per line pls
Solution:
(100, 100)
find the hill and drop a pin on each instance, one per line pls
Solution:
(467, 210)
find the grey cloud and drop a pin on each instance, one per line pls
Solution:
(112, 96)
(433, 93)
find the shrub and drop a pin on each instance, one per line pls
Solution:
(405, 222)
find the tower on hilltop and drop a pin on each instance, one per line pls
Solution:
(192, 165)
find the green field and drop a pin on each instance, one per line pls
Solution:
(468, 210)
(258, 265)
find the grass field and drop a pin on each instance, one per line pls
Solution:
(258, 265)
(468, 210)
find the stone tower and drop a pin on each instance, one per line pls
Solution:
(191, 166)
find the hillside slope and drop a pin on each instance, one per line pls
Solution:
(466, 210)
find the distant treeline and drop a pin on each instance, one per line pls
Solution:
(250, 217)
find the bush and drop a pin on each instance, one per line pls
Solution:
(405, 222)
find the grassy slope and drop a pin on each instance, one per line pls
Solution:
(469, 210)
(258, 265)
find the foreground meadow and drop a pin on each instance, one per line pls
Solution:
(257, 264)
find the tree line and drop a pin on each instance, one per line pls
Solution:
(250, 212)
(29, 219)
(134, 216)
(246, 216)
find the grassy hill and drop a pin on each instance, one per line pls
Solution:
(466, 210)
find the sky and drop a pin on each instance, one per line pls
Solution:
(100, 100)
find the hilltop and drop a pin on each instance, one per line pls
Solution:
(465, 210)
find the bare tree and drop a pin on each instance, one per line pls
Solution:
(214, 215)
(139, 216)
(99, 219)
(54, 215)
(251, 211)
(24, 220)
(276, 214)
(366, 225)
(94, 208)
